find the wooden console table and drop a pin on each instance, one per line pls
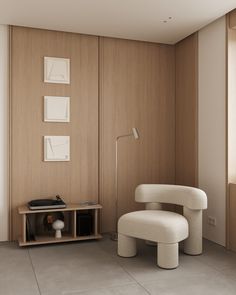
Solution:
(73, 210)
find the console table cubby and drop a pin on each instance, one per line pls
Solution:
(70, 234)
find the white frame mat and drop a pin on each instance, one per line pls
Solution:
(56, 148)
(56, 70)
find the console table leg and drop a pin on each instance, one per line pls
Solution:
(74, 224)
(24, 228)
(95, 222)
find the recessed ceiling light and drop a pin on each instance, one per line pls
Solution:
(167, 20)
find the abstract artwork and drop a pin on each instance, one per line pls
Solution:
(56, 109)
(56, 70)
(56, 148)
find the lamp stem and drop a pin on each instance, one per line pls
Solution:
(114, 236)
(116, 185)
(116, 180)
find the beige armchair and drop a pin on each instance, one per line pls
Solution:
(165, 228)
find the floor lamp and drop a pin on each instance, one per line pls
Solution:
(135, 134)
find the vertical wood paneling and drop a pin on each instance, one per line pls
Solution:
(32, 178)
(137, 89)
(186, 111)
(232, 19)
(4, 129)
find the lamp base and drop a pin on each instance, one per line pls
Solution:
(114, 236)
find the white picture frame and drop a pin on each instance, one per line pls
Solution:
(56, 148)
(57, 109)
(56, 70)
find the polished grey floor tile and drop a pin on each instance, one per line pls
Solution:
(131, 289)
(143, 270)
(217, 256)
(209, 284)
(16, 272)
(93, 268)
(143, 267)
(76, 267)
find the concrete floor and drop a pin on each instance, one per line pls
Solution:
(92, 268)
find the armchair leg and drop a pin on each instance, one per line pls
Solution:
(126, 246)
(168, 255)
(193, 244)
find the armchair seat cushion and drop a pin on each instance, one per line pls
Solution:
(154, 225)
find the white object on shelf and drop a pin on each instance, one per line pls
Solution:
(58, 225)
(56, 70)
(56, 109)
(56, 148)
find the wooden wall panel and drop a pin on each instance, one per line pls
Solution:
(137, 89)
(186, 111)
(232, 19)
(31, 178)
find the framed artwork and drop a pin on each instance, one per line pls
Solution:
(56, 148)
(56, 70)
(56, 109)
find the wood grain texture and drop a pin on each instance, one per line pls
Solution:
(41, 240)
(137, 89)
(232, 19)
(186, 111)
(69, 207)
(32, 178)
(46, 238)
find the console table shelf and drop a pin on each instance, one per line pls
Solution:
(73, 210)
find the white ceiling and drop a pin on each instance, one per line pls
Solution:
(130, 19)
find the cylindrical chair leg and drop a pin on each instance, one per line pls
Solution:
(193, 244)
(168, 255)
(126, 246)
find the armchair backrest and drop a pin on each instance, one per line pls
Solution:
(190, 197)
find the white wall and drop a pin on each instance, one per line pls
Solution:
(212, 126)
(4, 95)
(231, 106)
